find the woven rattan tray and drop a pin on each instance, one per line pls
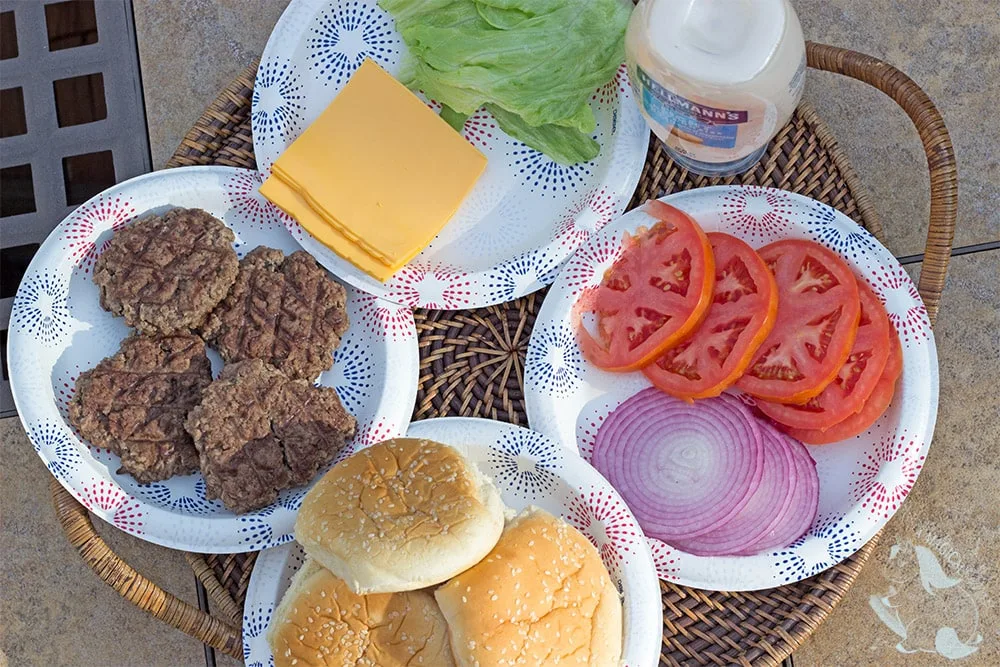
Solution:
(472, 363)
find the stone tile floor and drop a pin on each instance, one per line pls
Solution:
(55, 611)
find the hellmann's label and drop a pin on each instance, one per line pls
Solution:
(689, 120)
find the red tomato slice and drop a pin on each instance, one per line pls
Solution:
(858, 376)
(874, 407)
(818, 311)
(655, 295)
(743, 310)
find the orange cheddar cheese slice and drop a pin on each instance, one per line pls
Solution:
(377, 175)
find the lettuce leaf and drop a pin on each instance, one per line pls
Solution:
(563, 144)
(537, 61)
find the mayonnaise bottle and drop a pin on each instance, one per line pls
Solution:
(716, 79)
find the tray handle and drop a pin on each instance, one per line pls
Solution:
(937, 145)
(133, 586)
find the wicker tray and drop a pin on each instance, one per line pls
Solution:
(472, 363)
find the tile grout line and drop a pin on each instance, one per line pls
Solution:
(203, 606)
(971, 249)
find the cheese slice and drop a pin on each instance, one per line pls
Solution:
(380, 169)
(294, 205)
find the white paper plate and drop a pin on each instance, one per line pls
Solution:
(529, 469)
(525, 216)
(58, 329)
(862, 481)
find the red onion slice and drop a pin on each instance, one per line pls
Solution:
(801, 511)
(683, 469)
(762, 514)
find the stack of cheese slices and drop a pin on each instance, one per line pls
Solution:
(414, 560)
(377, 175)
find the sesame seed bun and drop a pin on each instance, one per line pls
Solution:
(320, 621)
(400, 515)
(541, 597)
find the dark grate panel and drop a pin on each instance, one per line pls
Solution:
(73, 124)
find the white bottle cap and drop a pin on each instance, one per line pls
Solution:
(719, 42)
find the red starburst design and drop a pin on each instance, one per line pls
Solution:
(374, 432)
(103, 495)
(242, 191)
(386, 319)
(588, 438)
(65, 388)
(571, 231)
(887, 475)
(664, 558)
(586, 268)
(436, 287)
(88, 222)
(370, 433)
(609, 92)
(480, 129)
(290, 223)
(756, 212)
(433, 105)
(129, 516)
(902, 303)
(604, 520)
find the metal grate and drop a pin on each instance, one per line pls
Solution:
(73, 124)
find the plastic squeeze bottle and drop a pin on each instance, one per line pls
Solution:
(716, 79)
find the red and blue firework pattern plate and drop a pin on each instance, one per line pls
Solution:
(530, 470)
(862, 480)
(525, 216)
(58, 329)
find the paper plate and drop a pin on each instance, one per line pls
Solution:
(529, 469)
(862, 480)
(526, 215)
(58, 329)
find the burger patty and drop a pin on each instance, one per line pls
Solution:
(135, 402)
(258, 432)
(165, 274)
(284, 310)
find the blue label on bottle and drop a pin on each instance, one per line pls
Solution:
(689, 120)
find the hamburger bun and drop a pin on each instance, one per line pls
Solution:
(541, 597)
(400, 515)
(320, 621)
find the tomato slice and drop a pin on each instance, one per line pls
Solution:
(818, 311)
(874, 407)
(654, 296)
(742, 314)
(856, 380)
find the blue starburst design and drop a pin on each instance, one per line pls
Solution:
(62, 450)
(257, 532)
(833, 539)
(47, 434)
(200, 493)
(156, 493)
(524, 462)
(346, 34)
(162, 495)
(554, 360)
(512, 278)
(545, 176)
(277, 102)
(292, 500)
(40, 308)
(822, 222)
(354, 365)
(255, 624)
